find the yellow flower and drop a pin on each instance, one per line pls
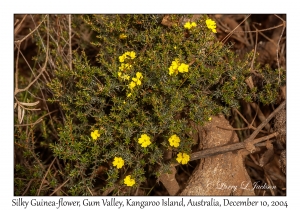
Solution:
(95, 134)
(132, 54)
(172, 71)
(144, 140)
(183, 158)
(127, 54)
(188, 25)
(174, 140)
(125, 67)
(122, 58)
(126, 77)
(175, 63)
(128, 95)
(122, 36)
(137, 81)
(132, 85)
(123, 76)
(174, 67)
(128, 181)
(209, 119)
(118, 162)
(211, 25)
(183, 68)
(139, 75)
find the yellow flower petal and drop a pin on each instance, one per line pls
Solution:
(138, 82)
(144, 140)
(183, 158)
(211, 25)
(122, 36)
(139, 75)
(174, 140)
(128, 181)
(118, 162)
(122, 58)
(95, 134)
(188, 25)
(132, 54)
(183, 68)
(132, 85)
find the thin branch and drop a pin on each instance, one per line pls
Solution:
(19, 50)
(17, 69)
(269, 39)
(228, 35)
(38, 120)
(38, 193)
(260, 115)
(255, 48)
(250, 126)
(263, 124)
(70, 43)
(90, 191)
(59, 187)
(277, 49)
(28, 185)
(29, 124)
(43, 68)
(261, 30)
(18, 27)
(21, 40)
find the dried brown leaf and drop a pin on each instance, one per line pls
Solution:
(166, 21)
(30, 104)
(21, 113)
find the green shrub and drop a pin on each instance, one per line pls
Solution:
(150, 82)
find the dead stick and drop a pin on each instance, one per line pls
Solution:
(227, 148)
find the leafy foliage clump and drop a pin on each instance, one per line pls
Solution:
(130, 91)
